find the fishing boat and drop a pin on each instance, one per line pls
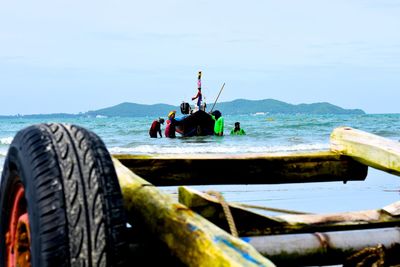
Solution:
(65, 200)
(197, 122)
(194, 123)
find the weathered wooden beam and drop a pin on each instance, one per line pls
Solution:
(326, 248)
(370, 149)
(250, 223)
(191, 238)
(202, 169)
(247, 222)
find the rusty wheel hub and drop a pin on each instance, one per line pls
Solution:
(18, 232)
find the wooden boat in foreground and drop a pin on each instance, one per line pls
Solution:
(69, 162)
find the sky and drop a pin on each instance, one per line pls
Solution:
(75, 56)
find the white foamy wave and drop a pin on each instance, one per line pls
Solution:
(259, 113)
(1, 165)
(6, 140)
(3, 153)
(149, 149)
(293, 148)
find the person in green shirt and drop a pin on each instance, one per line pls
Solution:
(237, 130)
(219, 123)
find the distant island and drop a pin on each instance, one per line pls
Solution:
(235, 107)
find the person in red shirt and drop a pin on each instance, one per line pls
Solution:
(156, 128)
(170, 127)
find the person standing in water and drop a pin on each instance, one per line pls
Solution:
(219, 123)
(199, 95)
(237, 130)
(156, 128)
(170, 128)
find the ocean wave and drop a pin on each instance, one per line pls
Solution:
(3, 152)
(259, 113)
(153, 149)
(6, 140)
(385, 133)
(1, 165)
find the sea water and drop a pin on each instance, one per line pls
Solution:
(265, 133)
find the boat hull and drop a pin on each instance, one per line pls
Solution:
(199, 123)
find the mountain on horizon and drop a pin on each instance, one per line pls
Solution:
(238, 106)
(276, 106)
(127, 109)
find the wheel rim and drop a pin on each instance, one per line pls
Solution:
(18, 232)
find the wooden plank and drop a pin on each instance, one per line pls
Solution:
(251, 223)
(370, 149)
(247, 222)
(191, 238)
(393, 209)
(202, 169)
(327, 248)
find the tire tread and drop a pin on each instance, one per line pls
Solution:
(70, 179)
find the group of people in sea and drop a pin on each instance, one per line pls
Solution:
(155, 128)
(216, 115)
(169, 132)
